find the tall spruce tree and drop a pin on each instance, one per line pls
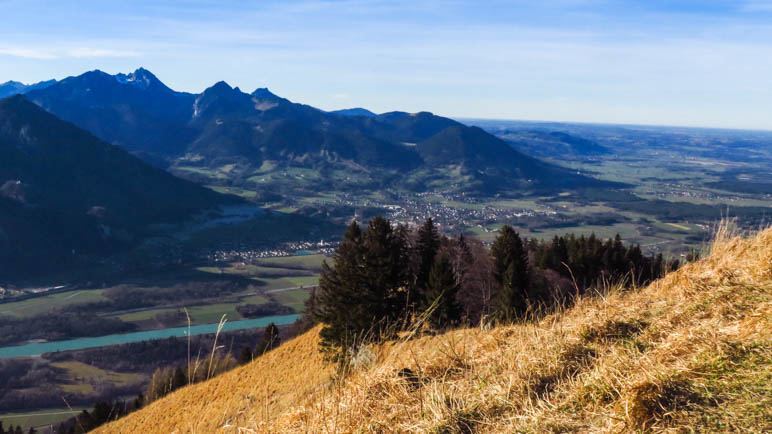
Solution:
(363, 293)
(339, 303)
(385, 276)
(511, 274)
(464, 249)
(441, 291)
(427, 246)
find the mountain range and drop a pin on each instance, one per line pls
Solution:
(87, 163)
(11, 88)
(64, 192)
(224, 127)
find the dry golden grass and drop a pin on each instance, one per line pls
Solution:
(689, 353)
(272, 383)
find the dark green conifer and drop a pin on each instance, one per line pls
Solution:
(441, 291)
(245, 356)
(363, 292)
(427, 246)
(511, 273)
(179, 378)
(338, 302)
(139, 401)
(270, 339)
(384, 282)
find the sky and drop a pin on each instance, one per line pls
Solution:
(692, 63)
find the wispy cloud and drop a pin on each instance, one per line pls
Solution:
(79, 52)
(87, 52)
(26, 53)
(677, 61)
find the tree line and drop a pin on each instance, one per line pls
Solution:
(385, 278)
(17, 430)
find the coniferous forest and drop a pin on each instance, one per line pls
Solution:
(386, 278)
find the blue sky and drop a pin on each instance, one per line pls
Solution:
(695, 63)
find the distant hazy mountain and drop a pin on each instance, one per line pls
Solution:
(543, 139)
(65, 192)
(225, 127)
(356, 111)
(11, 88)
(553, 143)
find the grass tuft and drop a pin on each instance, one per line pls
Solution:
(652, 402)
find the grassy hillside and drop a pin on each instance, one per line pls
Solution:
(690, 352)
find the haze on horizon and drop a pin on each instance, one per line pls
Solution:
(688, 62)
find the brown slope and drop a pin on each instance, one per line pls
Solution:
(691, 352)
(270, 385)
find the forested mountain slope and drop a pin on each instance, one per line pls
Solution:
(63, 192)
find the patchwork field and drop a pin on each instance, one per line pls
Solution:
(283, 280)
(39, 418)
(47, 303)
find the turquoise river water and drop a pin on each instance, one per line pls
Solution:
(37, 348)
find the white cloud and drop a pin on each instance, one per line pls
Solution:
(85, 52)
(26, 53)
(64, 53)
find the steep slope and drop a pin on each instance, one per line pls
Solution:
(689, 352)
(225, 127)
(63, 191)
(288, 376)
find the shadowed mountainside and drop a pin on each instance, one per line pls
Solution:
(64, 192)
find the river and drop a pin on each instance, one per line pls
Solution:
(37, 348)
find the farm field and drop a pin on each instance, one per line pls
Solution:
(39, 417)
(42, 304)
(283, 280)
